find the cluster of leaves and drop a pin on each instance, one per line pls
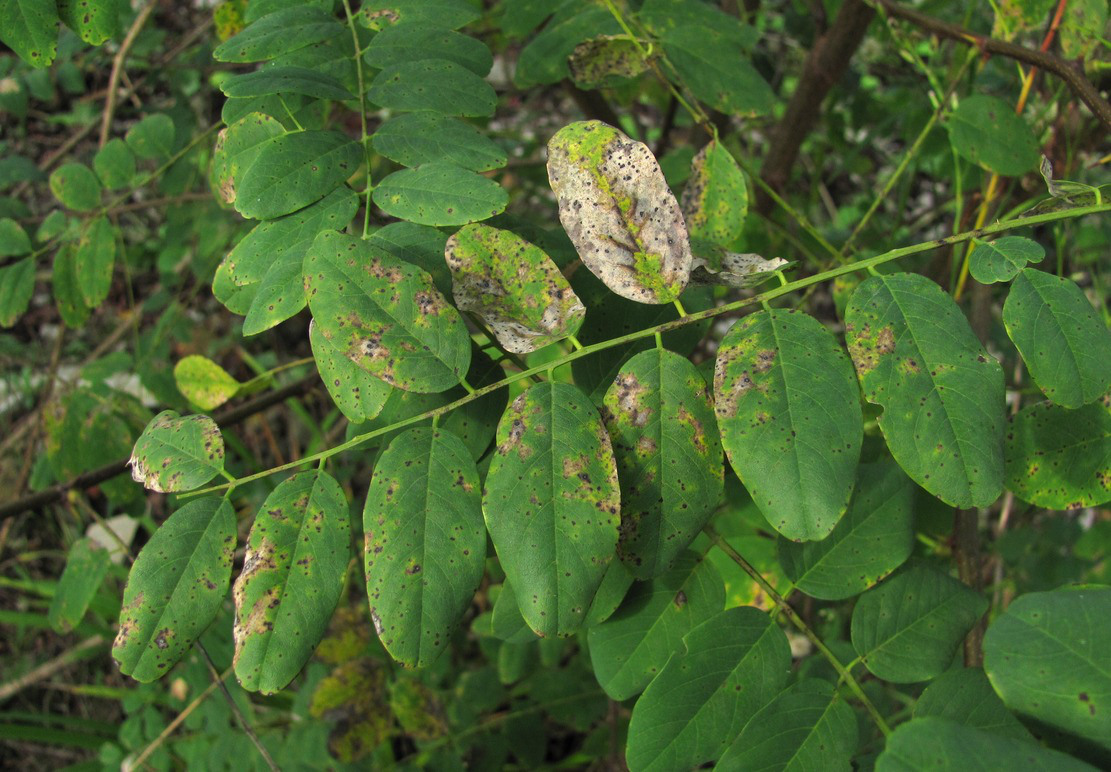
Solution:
(558, 487)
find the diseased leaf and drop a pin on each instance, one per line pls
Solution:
(966, 696)
(86, 566)
(417, 244)
(358, 394)
(615, 205)
(789, 413)
(1082, 27)
(875, 537)
(440, 193)
(381, 14)
(152, 138)
(424, 137)
(30, 28)
(1046, 656)
(115, 164)
(285, 80)
(1060, 336)
(415, 42)
(985, 130)
(552, 504)
(545, 58)
(433, 84)
(385, 315)
(294, 170)
(94, 258)
(203, 382)
(292, 575)
(425, 544)
(1003, 259)
(17, 285)
(633, 645)
(13, 239)
(604, 61)
(513, 286)
(941, 392)
(67, 288)
(934, 744)
(714, 64)
(806, 726)
(176, 453)
(715, 199)
(281, 32)
(94, 22)
(76, 186)
(712, 264)
(1058, 458)
(732, 665)
(660, 418)
(175, 588)
(908, 628)
(279, 296)
(237, 147)
(236, 298)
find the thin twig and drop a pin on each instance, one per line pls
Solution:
(49, 668)
(117, 69)
(247, 728)
(156, 743)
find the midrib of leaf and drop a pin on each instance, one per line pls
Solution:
(1082, 656)
(935, 611)
(1069, 342)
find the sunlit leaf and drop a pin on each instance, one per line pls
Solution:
(86, 566)
(176, 453)
(203, 382)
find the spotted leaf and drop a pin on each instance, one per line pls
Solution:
(293, 571)
(358, 394)
(660, 418)
(513, 286)
(177, 453)
(385, 315)
(175, 588)
(294, 170)
(619, 212)
(715, 200)
(425, 544)
(552, 504)
(606, 60)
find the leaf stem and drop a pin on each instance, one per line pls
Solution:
(362, 110)
(679, 307)
(575, 342)
(800, 623)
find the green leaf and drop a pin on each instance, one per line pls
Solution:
(18, 168)
(285, 30)
(292, 576)
(939, 745)
(67, 288)
(425, 547)
(292, 171)
(1062, 339)
(358, 394)
(415, 42)
(440, 194)
(806, 726)
(545, 58)
(76, 186)
(1002, 259)
(633, 645)
(17, 285)
(790, 420)
(94, 22)
(506, 621)
(1082, 27)
(13, 239)
(115, 164)
(433, 84)
(513, 286)
(715, 199)
(86, 566)
(236, 298)
(1046, 656)
(715, 66)
(606, 60)
(552, 504)
(237, 147)
(660, 418)
(176, 453)
(94, 258)
(204, 383)
(985, 130)
(453, 14)
(280, 295)
(965, 696)
(908, 628)
(734, 664)
(611, 592)
(1058, 458)
(619, 212)
(176, 587)
(152, 138)
(417, 244)
(285, 80)
(418, 138)
(385, 315)
(875, 537)
(941, 392)
(310, 113)
(30, 28)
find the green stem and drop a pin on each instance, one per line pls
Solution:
(860, 265)
(362, 111)
(800, 623)
(679, 307)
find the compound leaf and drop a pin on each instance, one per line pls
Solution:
(440, 193)
(176, 453)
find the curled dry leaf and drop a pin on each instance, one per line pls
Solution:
(177, 453)
(606, 60)
(513, 286)
(619, 212)
(714, 265)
